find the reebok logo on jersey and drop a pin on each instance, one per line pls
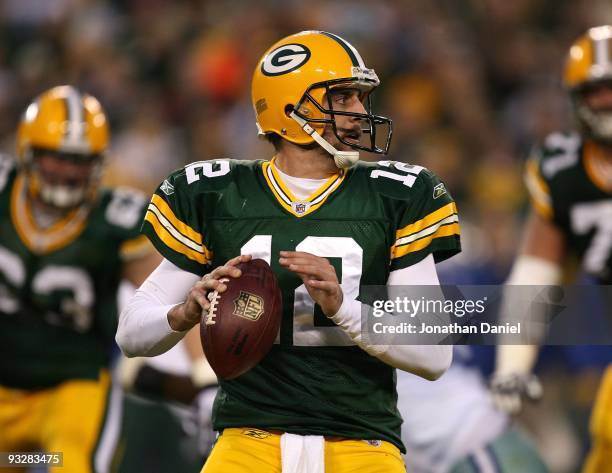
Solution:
(439, 190)
(167, 188)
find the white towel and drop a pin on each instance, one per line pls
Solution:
(302, 453)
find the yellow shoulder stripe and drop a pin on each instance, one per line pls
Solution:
(539, 192)
(202, 256)
(135, 248)
(444, 231)
(182, 227)
(434, 217)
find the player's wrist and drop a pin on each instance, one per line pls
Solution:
(333, 308)
(179, 320)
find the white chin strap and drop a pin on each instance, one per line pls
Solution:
(343, 159)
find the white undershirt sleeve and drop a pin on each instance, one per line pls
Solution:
(143, 328)
(527, 270)
(427, 361)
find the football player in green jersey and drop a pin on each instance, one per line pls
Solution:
(570, 183)
(65, 246)
(324, 397)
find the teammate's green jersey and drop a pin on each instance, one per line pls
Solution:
(371, 220)
(567, 185)
(58, 286)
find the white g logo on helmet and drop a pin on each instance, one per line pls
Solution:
(285, 59)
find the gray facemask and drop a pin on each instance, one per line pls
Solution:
(598, 125)
(62, 197)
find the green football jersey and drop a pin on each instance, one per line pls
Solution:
(368, 221)
(58, 286)
(567, 188)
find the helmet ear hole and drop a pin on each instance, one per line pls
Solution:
(288, 109)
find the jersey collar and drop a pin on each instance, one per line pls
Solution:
(293, 205)
(39, 240)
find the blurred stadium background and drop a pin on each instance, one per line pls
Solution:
(470, 84)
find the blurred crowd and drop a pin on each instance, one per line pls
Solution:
(471, 86)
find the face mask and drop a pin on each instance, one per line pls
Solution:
(62, 197)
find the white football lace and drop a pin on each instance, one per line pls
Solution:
(214, 301)
(210, 315)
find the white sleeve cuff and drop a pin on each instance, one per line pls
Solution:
(348, 318)
(149, 332)
(427, 361)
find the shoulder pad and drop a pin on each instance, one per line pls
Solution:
(206, 176)
(559, 151)
(125, 207)
(7, 167)
(401, 180)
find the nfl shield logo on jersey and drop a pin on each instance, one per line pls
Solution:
(300, 207)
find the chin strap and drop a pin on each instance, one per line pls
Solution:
(343, 159)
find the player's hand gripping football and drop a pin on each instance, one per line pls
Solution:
(510, 391)
(319, 277)
(186, 315)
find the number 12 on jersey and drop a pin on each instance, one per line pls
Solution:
(304, 331)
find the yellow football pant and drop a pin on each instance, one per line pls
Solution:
(68, 418)
(245, 450)
(600, 456)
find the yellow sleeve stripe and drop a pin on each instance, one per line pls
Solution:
(135, 248)
(434, 217)
(427, 231)
(443, 231)
(168, 235)
(182, 227)
(538, 190)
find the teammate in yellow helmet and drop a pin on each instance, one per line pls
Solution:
(570, 183)
(66, 244)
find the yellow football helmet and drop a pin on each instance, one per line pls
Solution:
(66, 124)
(588, 64)
(293, 79)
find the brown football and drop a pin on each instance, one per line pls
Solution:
(242, 322)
